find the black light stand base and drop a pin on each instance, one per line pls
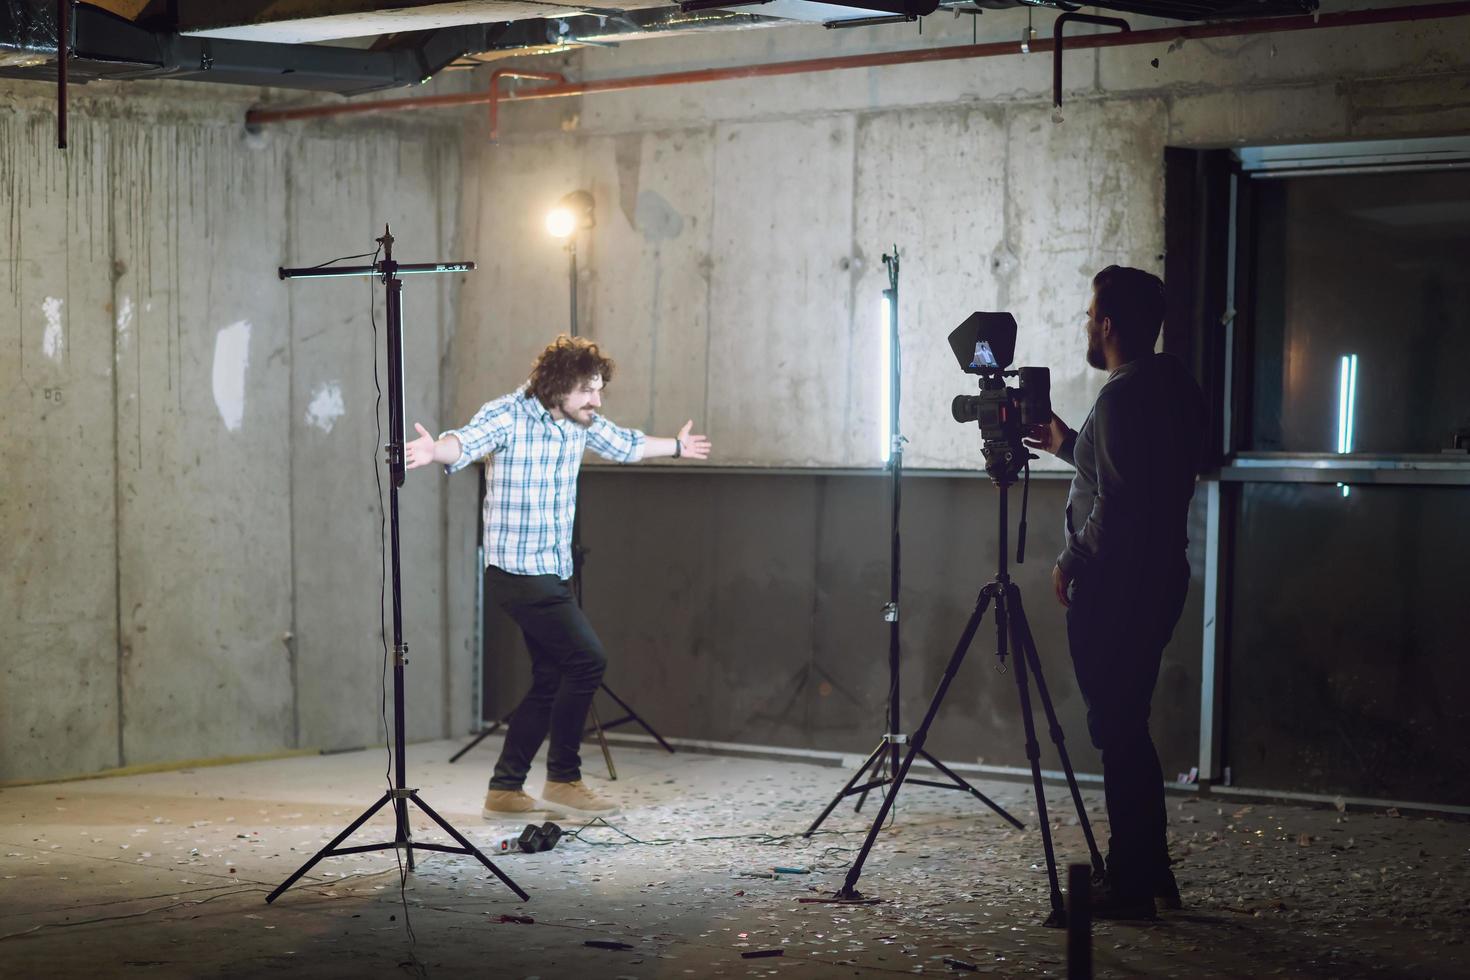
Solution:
(483, 734)
(400, 800)
(630, 715)
(876, 761)
(633, 716)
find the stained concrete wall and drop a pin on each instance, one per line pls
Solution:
(734, 271)
(190, 534)
(734, 274)
(764, 624)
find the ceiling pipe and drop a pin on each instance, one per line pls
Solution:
(1354, 18)
(1056, 55)
(496, 95)
(63, 52)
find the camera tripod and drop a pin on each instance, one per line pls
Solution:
(1013, 631)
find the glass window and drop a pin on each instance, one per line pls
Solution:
(1361, 312)
(1349, 626)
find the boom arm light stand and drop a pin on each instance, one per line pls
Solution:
(399, 795)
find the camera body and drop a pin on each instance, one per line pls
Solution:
(985, 345)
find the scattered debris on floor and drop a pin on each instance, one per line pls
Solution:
(704, 872)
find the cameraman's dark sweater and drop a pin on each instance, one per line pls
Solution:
(1137, 455)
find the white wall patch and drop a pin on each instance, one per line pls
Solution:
(124, 324)
(51, 339)
(125, 315)
(326, 406)
(231, 358)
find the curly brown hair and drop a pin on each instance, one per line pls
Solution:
(563, 365)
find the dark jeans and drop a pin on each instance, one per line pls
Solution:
(567, 662)
(1118, 624)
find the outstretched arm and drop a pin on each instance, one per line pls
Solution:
(684, 445)
(426, 449)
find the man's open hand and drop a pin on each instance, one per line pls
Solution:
(692, 446)
(420, 452)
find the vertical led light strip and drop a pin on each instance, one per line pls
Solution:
(1347, 396)
(885, 386)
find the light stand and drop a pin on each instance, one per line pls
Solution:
(399, 795)
(574, 213)
(1010, 626)
(579, 553)
(884, 760)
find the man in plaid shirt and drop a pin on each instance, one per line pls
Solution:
(537, 435)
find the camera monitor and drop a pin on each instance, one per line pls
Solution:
(985, 343)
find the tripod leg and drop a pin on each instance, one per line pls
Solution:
(469, 848)
(404, 835)
(844, 791)
(612, 772)
(888, 762)
(961, 783)
(351, 829)
(916, 743)
(880, 774)
(637, 717)
(484, 734)
(1058, 915)
(1057, 737)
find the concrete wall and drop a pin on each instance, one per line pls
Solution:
(734, 274)
(189, 540)
(764, 625)
(734, 271)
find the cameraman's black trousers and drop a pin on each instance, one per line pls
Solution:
(567, 663)
(1118, 624)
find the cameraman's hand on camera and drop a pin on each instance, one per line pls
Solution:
(1049, 437)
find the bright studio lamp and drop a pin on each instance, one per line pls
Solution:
(572, 213)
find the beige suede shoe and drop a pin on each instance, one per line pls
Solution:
(577, 798)
(503, 803)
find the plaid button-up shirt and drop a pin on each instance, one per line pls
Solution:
(531, 494)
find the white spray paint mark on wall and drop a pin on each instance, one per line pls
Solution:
(125, 315)
(326, 406)
(124, 325)
(51, 339)
(231, 358)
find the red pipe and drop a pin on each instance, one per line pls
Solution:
(1353, 18)
(496, 96)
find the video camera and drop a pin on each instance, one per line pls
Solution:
(985, 344)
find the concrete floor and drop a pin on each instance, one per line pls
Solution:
(167, 873)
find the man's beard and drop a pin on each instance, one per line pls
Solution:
(582, 416)
(1095, 356)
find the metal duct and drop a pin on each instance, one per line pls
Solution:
(107, 46)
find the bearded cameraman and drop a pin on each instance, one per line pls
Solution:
(1124, 574)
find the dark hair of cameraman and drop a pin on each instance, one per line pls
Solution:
(1133, 301)
(1124, 574)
